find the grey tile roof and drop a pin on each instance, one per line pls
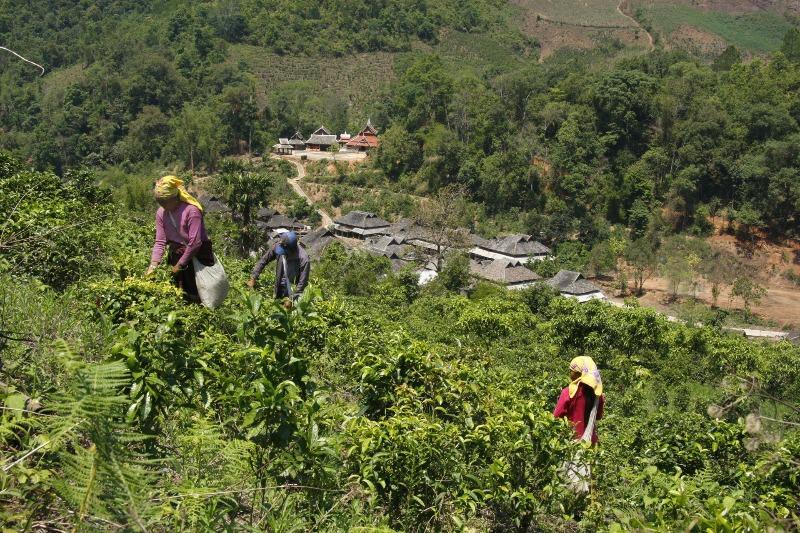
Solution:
(282, 221)
(316, 241)
(571, 282)
(322, 130)
(563, 279)
(322, 139)
(362, 219)
(581, 286)
(297, 140)
(212, 204)
(265, 213)
(500, 271)
(390, 246)
(515, 245)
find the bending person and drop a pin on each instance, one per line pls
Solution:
(293, 267)
(179, 225)
(582, 401)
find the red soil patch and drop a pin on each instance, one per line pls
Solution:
(554, 35)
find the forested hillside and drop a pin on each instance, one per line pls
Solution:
(128, 83)
(373, 405)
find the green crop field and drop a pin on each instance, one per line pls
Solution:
(757, 32)
(580, 12)
(354, 77)
(476, 51)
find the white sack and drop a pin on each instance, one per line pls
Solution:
(212, 282)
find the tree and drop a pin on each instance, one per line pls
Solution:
(399, 152)
(719, 269)
(729, 57)
(638, 218)
(640, 256)
(439, 219)
(455, 274)
(749, 291)
(198, 135)
(423, 92)
(791, 45)
(245, 187)
(240, 115)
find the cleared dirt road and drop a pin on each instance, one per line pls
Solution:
(295, 184)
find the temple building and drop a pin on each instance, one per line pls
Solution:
(364, 140)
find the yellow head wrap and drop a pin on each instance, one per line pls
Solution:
(590, 375)
(172, 186)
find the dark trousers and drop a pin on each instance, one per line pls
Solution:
(184, 279)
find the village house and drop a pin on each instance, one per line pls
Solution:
(321, 140)
(399, 252)
(518, 249)
(296, 142)
(390, 246)
(573, 285)
(360, 225)
(273, 223)
(510, 274)
(265, 213)
(364, 140)
(316, 241)
(283, 147)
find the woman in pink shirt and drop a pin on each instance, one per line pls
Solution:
(179, 226)
(583, 396)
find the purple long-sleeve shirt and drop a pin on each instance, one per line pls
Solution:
(190, 231)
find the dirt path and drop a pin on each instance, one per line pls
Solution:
(295, 184)
(750, 333)
(636, 22)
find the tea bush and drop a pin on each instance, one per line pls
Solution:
(366, 405)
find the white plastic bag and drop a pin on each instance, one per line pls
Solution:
(212, 282)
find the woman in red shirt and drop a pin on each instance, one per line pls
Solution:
(584, 395)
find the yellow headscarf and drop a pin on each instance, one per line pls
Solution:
(590, 375)
(172, 186)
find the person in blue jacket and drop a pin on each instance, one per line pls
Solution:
(292, 267)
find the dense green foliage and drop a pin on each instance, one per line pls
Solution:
(558, 149)
(372, 403)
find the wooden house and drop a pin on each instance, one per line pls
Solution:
(360, 225)
(514, 248)
(510, 274)
(296, 142)
(321, 140)
(316, 241)
(283, 147)
(573, 285)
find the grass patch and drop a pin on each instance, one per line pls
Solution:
(757, 32)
